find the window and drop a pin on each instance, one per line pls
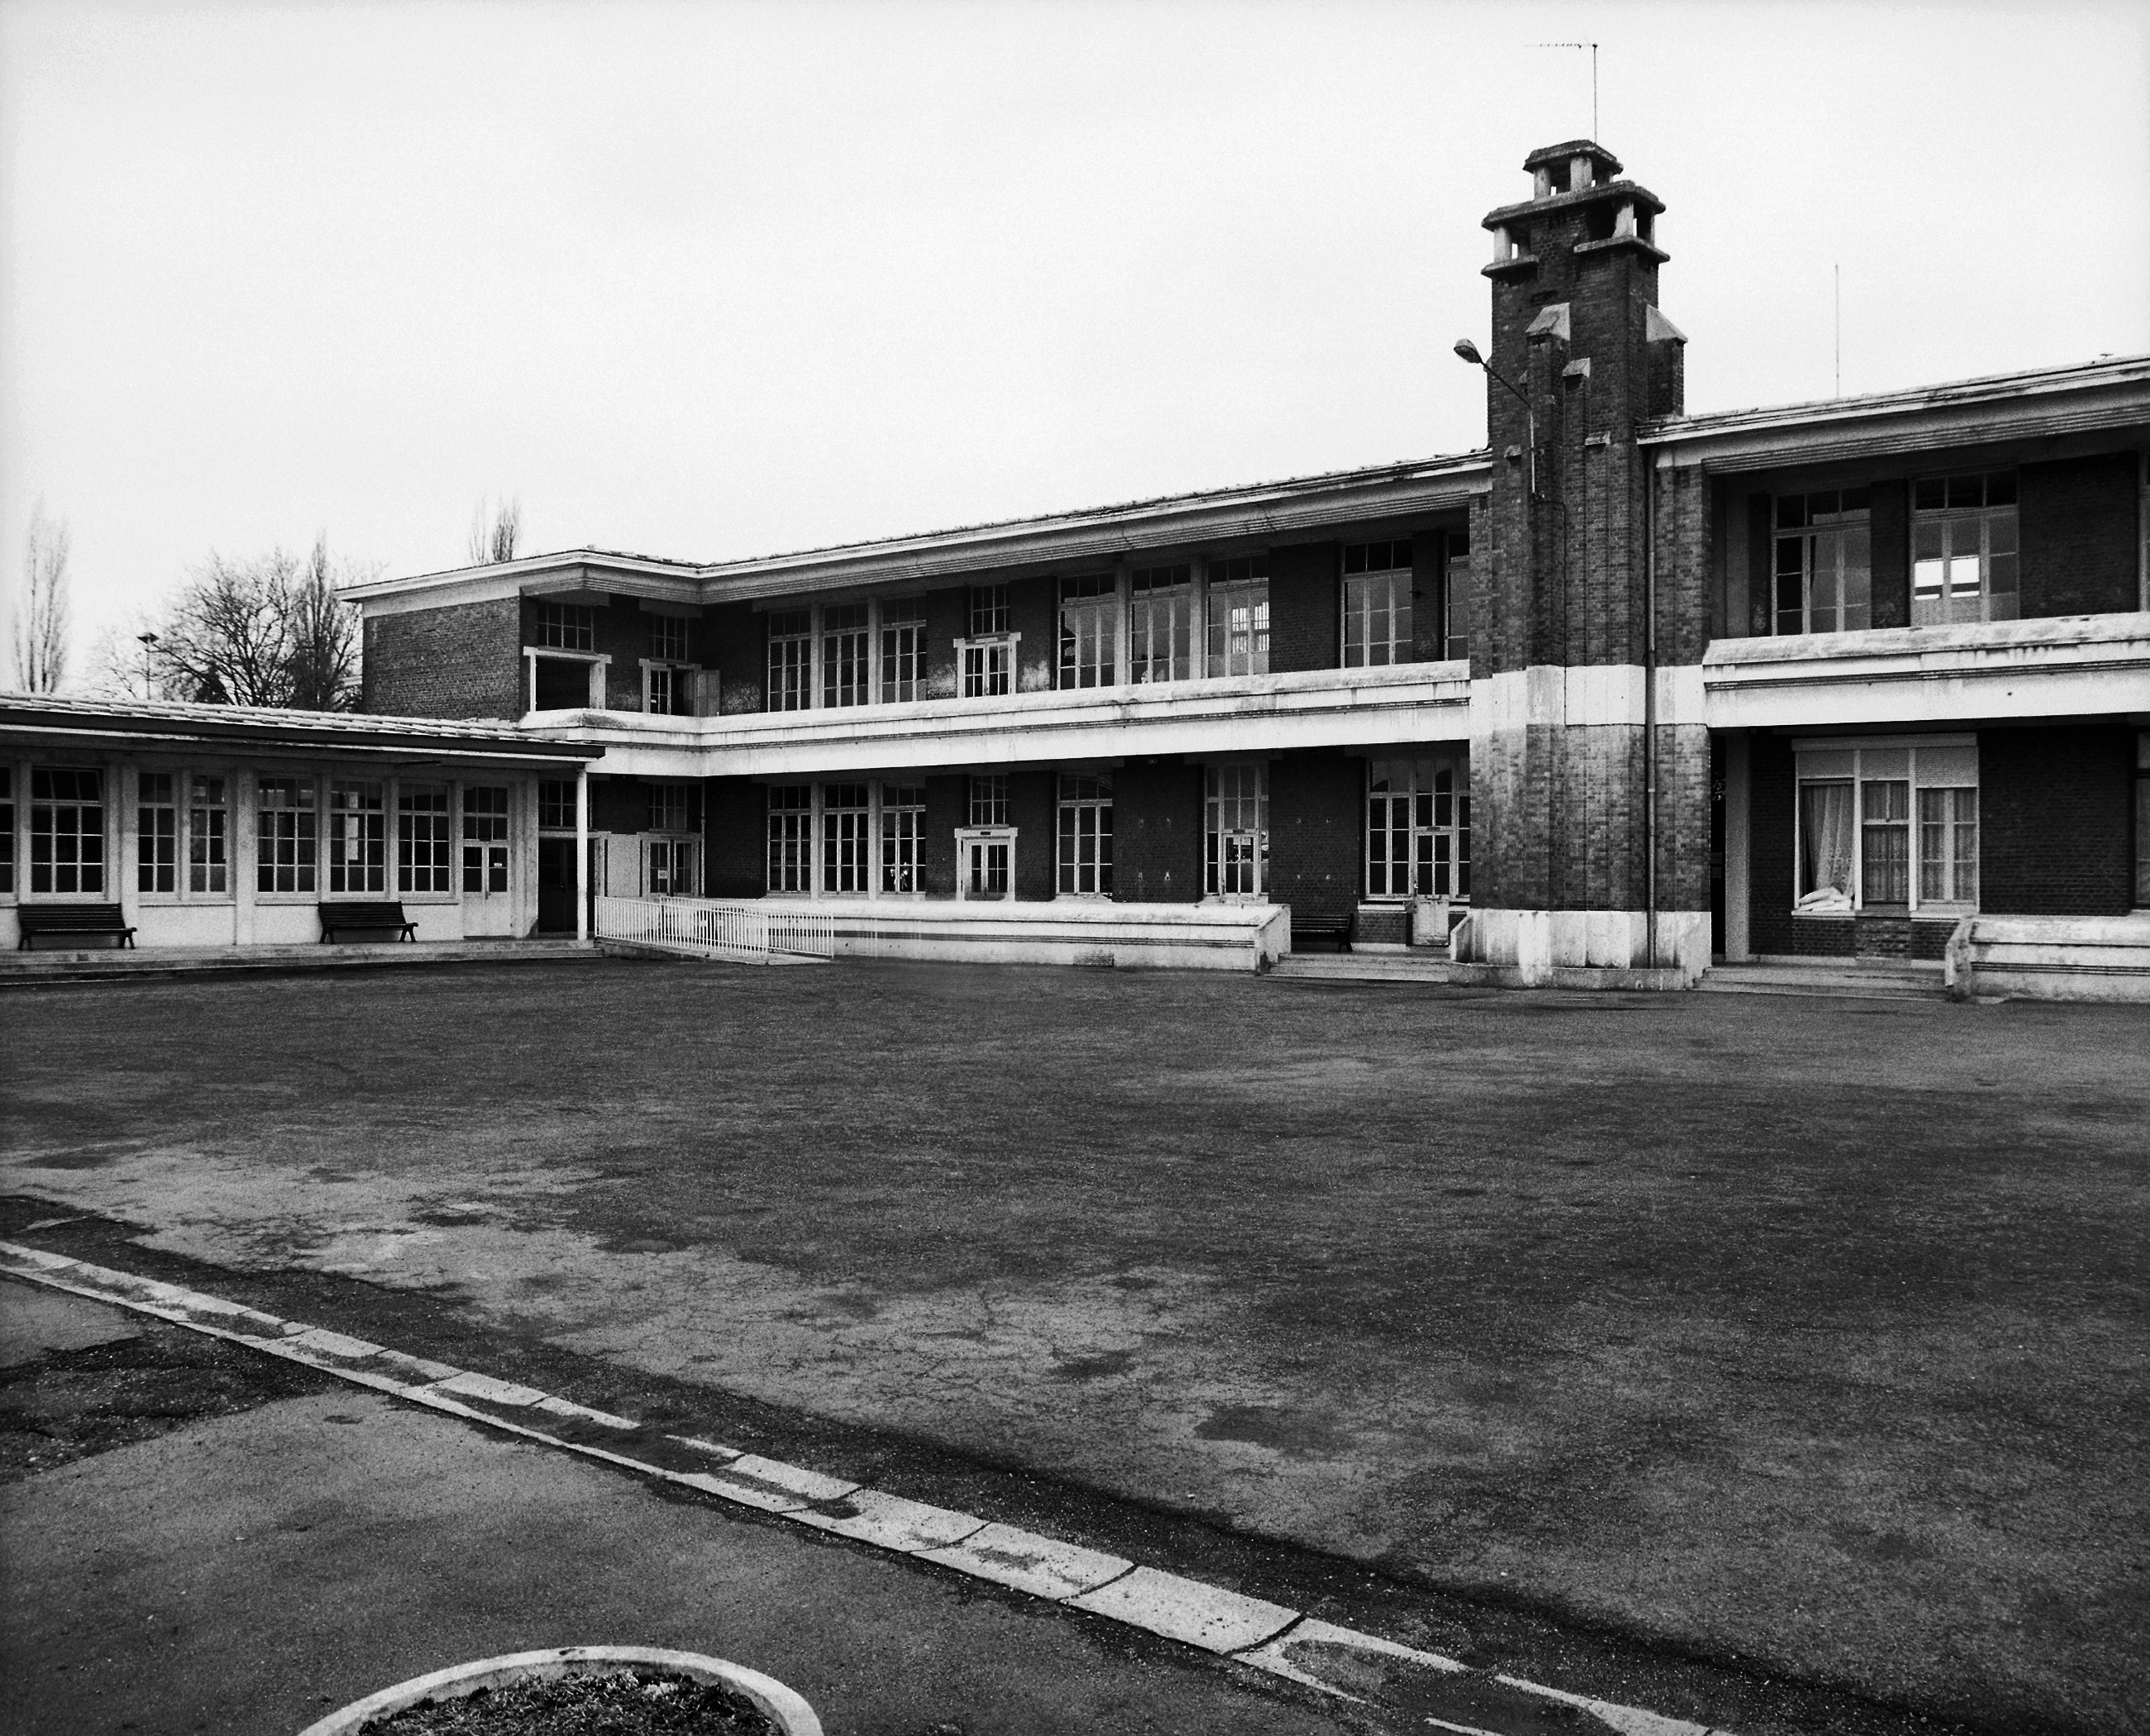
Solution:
(1377, 603)
(1239, 616)
(1090, 630)
(1236, 830)
(285, 843)
(989, 798)
(7, 827)
(988, 655)
(567, 626)
(1160, 623)
(208, 855)
(844, 654)
(1086, 836)
(790, 659)
(1823, 564)
(422, 838)
(903, 819)
(156, 832)
(671, 808)
(358, 838)
(1963, 549)
(1418, 828)
(791, 837)
(989, 611)
(556, 805)
(672, 866)
(66, 831)
(902, 653)
(1455, 595)
(2142, 810)
(668, 639)
(485, 838)
(844, 837)
(1914, 844)
(667, 690)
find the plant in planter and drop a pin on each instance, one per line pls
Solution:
(581, 1691)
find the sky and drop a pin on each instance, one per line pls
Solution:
(710, 280)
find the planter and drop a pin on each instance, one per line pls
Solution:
(784, 1709)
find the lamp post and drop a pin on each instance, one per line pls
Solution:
(1469, 351)
(149, 644)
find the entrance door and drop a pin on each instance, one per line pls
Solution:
(488, 908)
(556, 886)
(985, 868)
(1238, 874)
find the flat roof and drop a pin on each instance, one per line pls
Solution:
(145, 722)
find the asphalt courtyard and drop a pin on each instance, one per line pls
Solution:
(1798, 1336)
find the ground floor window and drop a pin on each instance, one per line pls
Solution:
(156, 833)
(2142, 805)
(672, 867)
(1889, 825)
(791, 837)
(421, 839)
(7, 828)
(1235, 806)
(208, 841)
(66, 831)
(902, 822)
(1418, 828)
(485, 838)
(358, 838)
(846, 809)
(286, 839)
(1086, 836)
(556, 805)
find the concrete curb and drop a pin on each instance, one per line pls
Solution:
(1268, 1637)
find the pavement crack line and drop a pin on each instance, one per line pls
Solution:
(1271, 1637)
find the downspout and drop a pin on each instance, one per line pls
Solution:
(1650, 709)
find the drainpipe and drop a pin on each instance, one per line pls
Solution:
(1650, 709)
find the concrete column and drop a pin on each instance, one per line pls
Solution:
(584, 881)
(240, 849)
(1738, 863)
(123, 822)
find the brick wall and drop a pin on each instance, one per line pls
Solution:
(1304, 612)
(733, 644)
(622, 630)
(947, 619)
(1034, 811)
(463, 661)
(1157, 832)
(947, 807)
(1317, 808)
(735, 834)
(1428, 583)
(1034, 612)
(2054, 821)
(2077, 520)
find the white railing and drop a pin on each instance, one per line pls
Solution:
(711, 929)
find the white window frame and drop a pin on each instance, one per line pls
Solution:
(800, 660)
(1845, 529)
(141, 834)
(495, 848)
(263, 862)
(1217, 598)
(1426, 864)
(827, 690)
(407, 835)
(107, 890)
(1967, 535)
(985, 665)
(594, 664)
(800, 834)
(1091, 834)
(334, 816)
(1860, 760)
(1178, 601)
(1392, 585)
(900, 642)
(677, 679)
(191, 833)
(899, 832)
(983, 837)
(1089, 650)
(1220, 805)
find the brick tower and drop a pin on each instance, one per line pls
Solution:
(1587, 739)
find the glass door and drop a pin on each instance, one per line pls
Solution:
(488, 906)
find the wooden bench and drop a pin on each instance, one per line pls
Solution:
(1336, 930)
(35, 919)
(364, 917)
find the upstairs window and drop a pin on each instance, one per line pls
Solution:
(1239, 616)
(791, 660)
(668, 638)
(1455, 595)
(989, 609)
(989, 799)
(844, 637)
(1377, 603)
(1963, 549)
(567, 626)
(1823, 564)
(1089, 630)
(1161, 623)
(902, 652)
(156, 832)
(989, 653)
(66, 831)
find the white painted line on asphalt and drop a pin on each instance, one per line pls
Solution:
(911, 1527)
(1187, 1610)
(1247, 1630)
(1025, 1561)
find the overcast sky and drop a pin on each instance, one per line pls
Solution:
(713, 280)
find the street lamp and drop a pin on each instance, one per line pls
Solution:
(149, 643)
(1469, 351)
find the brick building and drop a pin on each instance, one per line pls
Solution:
(1625, 689)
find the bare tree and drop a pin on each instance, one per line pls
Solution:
(40, 621)
(495, 532)
(324, 638)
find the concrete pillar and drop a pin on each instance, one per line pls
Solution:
(1738, 863)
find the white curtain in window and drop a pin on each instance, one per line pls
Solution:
(1824, 841)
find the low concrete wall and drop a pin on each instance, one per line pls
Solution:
(2052, 958)
(1182, 937)
(1532, 948)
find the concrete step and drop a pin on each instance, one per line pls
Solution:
(1848, 978)
(1430, 967)
(26, 969)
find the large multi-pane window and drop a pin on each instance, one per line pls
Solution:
(988, 610)
(791, 837)
(671, 806)
(674, 858)
(668, 638)
(286, 844)
(421, 839)
(989, 652)
(902, 652)
(1455, 595)
(209, 828)
(667, 691)
(1418, 828)
(845, 838)
(989, 798)
(1161, 623)
(1823, 564)
(566, 626)
(1085, 835)
(7, 827)
(485, 838)
(556, 805)
(790, 659)
(1377, 603)
(358, 838)
(1963, 549)
(1239, 616)
(67, 830)
(2143, 797)
(156, 832)
(1089, 630)
(1888, 827)
(844, 644)
(1236, 830)
(903, 824)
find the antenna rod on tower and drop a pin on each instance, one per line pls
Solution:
(1593, 46)
(1836, 272)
